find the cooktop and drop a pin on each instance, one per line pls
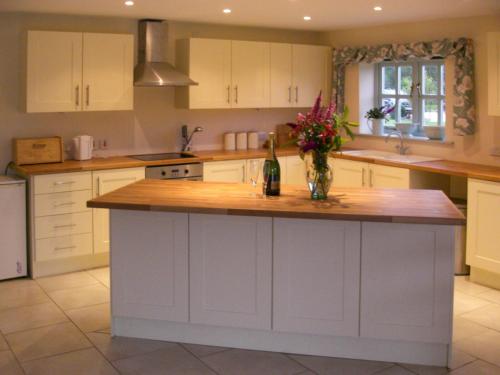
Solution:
(164, 156)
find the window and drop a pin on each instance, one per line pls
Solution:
(417, 90)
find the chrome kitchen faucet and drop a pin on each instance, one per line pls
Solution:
(187, 139)
(401, 147)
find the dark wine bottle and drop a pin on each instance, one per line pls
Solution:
(272, 172)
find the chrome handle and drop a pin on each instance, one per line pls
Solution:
(243, 174)
(64, 248)
(58, 183)
(363, 177)
(98, 193)
(228, 94)
(371, 177)
(64, 204)
(77, 95)
(296, 94)
(64, 226)
(87, 94)
(289, 94)
(236, 94)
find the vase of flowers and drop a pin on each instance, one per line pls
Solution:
(317, 133)
(377, 116)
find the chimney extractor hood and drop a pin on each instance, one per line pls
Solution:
(152, 69)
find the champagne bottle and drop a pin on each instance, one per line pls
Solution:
(272, 172)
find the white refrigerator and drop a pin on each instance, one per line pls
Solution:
(13, 251)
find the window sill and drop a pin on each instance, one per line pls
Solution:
(411, 139)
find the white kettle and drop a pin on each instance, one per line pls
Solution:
(82, 147)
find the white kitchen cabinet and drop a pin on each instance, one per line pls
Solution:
(224, 171)
(315, 279)
(295, 172)
(250, 74)
(104, 182)
(483, 218)
(281, 75)
(150, 268)
(68, 72)
(494, 73)
(405, 295)
(348, 173)
(230, 280)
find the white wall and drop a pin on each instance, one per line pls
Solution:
(155, 123)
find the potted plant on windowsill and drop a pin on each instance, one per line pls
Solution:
(377, 116)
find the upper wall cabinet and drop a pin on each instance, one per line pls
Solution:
(69, 72)
(239, 74)
(494, 74)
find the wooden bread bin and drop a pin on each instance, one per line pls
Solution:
(37, 150)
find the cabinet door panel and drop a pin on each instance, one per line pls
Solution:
(105, 182)
(483, 218)
(381, 176)
(310, 73)
(54, 71)
(347, 173)
(250, 68)
(281, 75)
(210, 66)
(316, 280)
(230, 270)
(149, 277)
(407, 282)
(108, 72)
(224, 171)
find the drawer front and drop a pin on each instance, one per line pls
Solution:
(62, 203)
(63, 247)
(63, 225)
(56, 183)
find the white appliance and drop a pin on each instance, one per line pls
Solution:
(82, 147)
(13, 251)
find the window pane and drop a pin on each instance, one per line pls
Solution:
(405, 111)
(388, 80)
(443, 112)
(443, 86)
(430, 79)
(430, 107)
(405, 79)
(391, 117)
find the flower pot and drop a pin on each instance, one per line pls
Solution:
(319, 175)
(377, 126)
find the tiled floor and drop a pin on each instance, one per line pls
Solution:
(60, 325)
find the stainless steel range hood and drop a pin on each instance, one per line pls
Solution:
(152, 69)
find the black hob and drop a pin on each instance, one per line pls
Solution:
(164, 156)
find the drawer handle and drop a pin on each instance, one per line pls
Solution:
(64, 226)
(64, 204)
(58, 183)
(64, 248)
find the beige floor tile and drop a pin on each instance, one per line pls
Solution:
(463, 328)
(203, 350)
(460, 358)
(16, 283)
(3, 343)
(114, 348)
(101, 274)
(174, 360)
(491, 295)
(464, 285)
(477, 368)
(333, 366)
(47, 341)
(425, 370)
(250, 362)
(488, 316)
(464, 303)
(81, 362)
(91, 318)
(80, 297)
(67, 281)
(9, 365)
(394, 370)
(29, 317)
(485, 346)
(17, 294)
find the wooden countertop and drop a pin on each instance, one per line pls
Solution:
(448, 167)
(380, 205)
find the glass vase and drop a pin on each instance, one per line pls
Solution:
(319, 175)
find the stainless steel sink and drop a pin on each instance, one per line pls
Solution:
(390, 156)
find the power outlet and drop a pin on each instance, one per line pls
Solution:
(495, 151)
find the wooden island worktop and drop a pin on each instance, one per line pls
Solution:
(381, 205)
(367, 274)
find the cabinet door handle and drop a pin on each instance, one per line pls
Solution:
(289, 94)
(363, 177)
(236, 94)
(64, 226)
(77, 95)
(371, 177)
(98, 193)
(296, 94)
(64, 248)
(64, 204)
(58, 183)
(87, 95)
(243, 174)
(228, 94)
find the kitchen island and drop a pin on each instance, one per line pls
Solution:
(367, 274)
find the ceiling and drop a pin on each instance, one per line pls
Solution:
(326, 14)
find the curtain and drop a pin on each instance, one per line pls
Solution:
(463, 88)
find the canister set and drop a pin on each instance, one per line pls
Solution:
(241, 141)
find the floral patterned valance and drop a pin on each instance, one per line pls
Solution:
(463, 89)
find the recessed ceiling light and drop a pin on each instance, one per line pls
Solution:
(307, 18)
(226, 11)
(129, 3)
(377, 8)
